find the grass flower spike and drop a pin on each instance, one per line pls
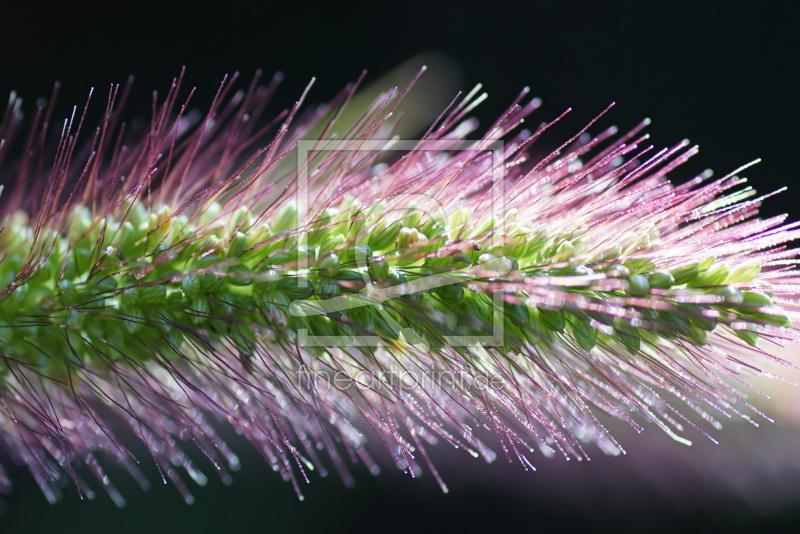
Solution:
(335, 293)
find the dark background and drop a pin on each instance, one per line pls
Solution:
(723, 74)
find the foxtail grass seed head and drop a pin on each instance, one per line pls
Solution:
(335, 293)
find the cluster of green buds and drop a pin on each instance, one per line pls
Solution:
(178, 298)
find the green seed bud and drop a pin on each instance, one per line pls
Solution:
(618, 271)
(450, 294)
(295, 287)
(456, 222)
(754, 298)
(350, 281)
(714, 276)
(519, 314)
(303, 254)
(749, 337)
(358, 255)
(705, 324)
(238, 245)
(191, 286)
(473, 315)
(330, 244)
(150, 295)
(778, 320)
(70, 296)
(413, 216)
(686, 273)
(660, 280)
(241, 218)
(639, 284)
(327, 289)
(364, 316)
(584, 334)
(697, 336)
(731, 294)
(200, 307)
(239, 275)
(211, 244)
(286, 219)
(211, 283)
(630, 340)
(745, 272)
(408, 237)
(378, 270)
(105, 284)
(329, 263)
(552, 319)
(565, 250)
(279, 257)
(134, 322)
(384, 237)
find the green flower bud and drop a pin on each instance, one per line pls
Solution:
(279, 257)
(705, 324)
(150, 295)
(239, 275)
(438, 313)
(744, 272)
(357, 255)
(749, 337)
(631, 341)
(329, 263)
(697, 336)
(350, 281)
(105, 284)
(456, 223)
(660, 280)
(754, 298)
(686, 273)
(238, 245)
(383, 238)
(408, 237)
(485, 257)
(473, 315)
(364, 316)
(639, 284)
(706, 264)
(241, 219)
(552, 319)
(134, 322)
(200, 307)
(212, 282)
(565, 250)
(412, 216)
(191, 286)
(295, 287)
(450, 294)
(714, 276)
(584, 334)
(303, 254)
(286, 218)
(209, 213)
(768, 318)
(618, 271)
(70, 296)
(731, 294)
(330, 244)
(378, 270)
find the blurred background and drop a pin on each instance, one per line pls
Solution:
(723, 74)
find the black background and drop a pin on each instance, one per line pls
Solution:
(723, 74)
